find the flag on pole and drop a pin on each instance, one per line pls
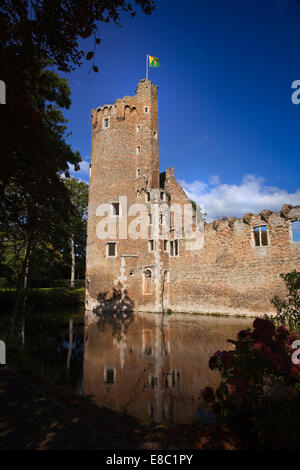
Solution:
(153, 61)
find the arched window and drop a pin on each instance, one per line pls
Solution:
(147, 282)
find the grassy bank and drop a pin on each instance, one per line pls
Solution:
(46, 298)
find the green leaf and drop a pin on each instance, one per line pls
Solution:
(89, 55)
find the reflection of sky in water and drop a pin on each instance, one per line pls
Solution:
(206, 417)
(296, 231)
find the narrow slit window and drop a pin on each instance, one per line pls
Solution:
(138, 150)
(138, 172)
(151, 411)
(146, 109)
(106, 123)
(172, 248)
(115, 208)
(148, 197)
(138, 128)
(150, 219)
(165, 245)
(151, 245)
(261, 235)
(110, 376)
(296, 231)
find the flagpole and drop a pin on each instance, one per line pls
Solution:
(147, 67)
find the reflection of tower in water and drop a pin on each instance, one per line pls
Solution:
(154, 369)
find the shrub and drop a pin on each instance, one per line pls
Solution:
(46, 299)
(260, 384)
(288, 310)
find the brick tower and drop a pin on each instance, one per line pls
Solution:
(124, 171)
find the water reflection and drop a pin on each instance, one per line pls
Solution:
(155, 367)
(50, 346)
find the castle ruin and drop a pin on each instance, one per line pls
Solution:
(234, 271)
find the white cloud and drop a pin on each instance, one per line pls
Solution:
(84, 168)
(214, 180)
(252, 195)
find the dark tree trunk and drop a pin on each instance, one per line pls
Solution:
(21, 284)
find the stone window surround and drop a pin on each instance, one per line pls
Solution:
(107, 248)
(144, 278)
(260, 240)
(173, 241)
(291, 232)
(103, 123)
(147, 108)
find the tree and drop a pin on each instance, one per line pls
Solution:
(37, 35)
(78, 191)
(52, 28)
(34, 35)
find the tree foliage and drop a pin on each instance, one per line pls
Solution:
(52, 28)
(38, 37)
(288, 309)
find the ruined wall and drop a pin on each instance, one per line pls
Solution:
(231, 274)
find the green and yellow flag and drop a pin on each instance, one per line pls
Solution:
(153, 61)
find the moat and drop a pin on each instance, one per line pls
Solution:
(150, 366)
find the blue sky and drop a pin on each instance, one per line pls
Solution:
(226, 120)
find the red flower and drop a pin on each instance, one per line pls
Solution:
(282, 331)
(227, 359)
